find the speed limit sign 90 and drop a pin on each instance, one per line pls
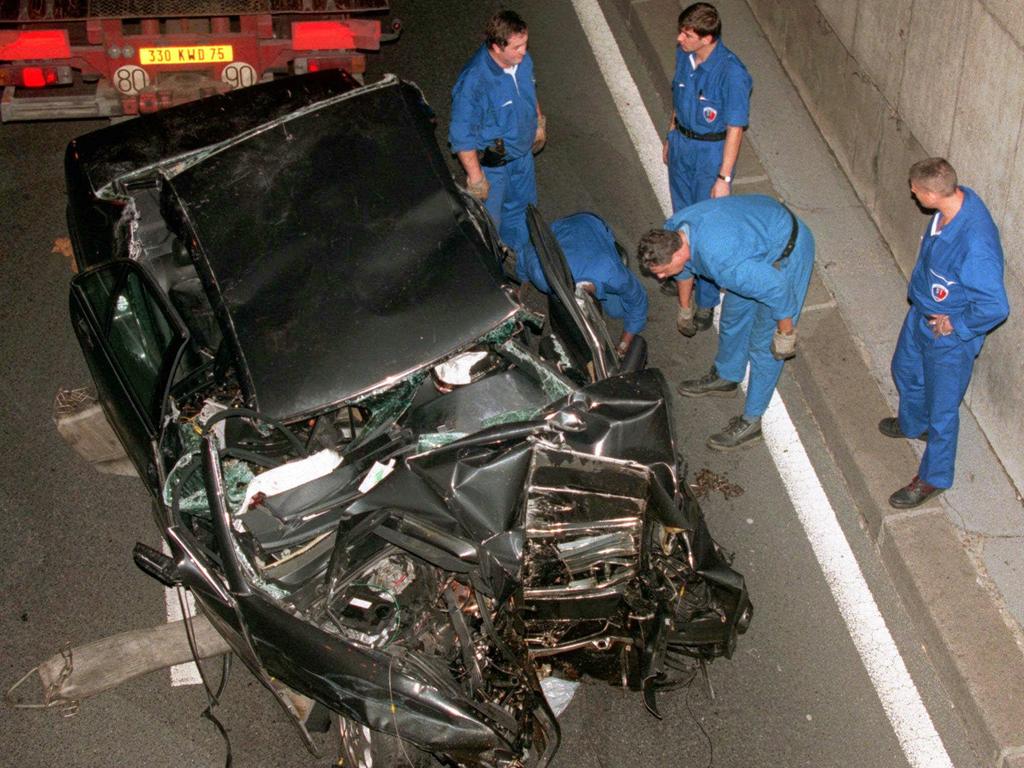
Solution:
(238, 74)
(130, 79)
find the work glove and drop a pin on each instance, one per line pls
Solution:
(540, 138)
(685, 323)
(784, 345)
(480, 189)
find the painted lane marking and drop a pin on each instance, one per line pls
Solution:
(896, 690)
(188, 673)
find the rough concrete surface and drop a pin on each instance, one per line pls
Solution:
(919, 78)
(988, 113)
(957, 620)
(842, 16)
(958, 563)
(880, 43)
(935, 44)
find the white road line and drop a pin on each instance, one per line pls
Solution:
(881, 658)
(181, 674)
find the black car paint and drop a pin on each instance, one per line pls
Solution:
(458, 509)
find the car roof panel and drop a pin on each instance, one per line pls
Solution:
(337, 244)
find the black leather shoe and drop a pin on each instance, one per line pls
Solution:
(703, 318)
(890, 427)
(737, 434)
(708, 384)
(914, 494)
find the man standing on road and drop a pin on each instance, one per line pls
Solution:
(711, 109)
(762, 255)
(496, 127)
(594, 260)
(956, 296)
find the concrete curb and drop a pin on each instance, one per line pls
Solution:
(970, 643)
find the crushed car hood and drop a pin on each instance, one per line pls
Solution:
(338, 227)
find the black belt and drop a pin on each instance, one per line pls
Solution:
(791, 243)
(700, 136)
(494, 156)
(492, 160)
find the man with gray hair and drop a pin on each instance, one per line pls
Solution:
(956, 297)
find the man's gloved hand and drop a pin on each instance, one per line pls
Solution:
(684, 322)
(540, 138)
(784, 345)
(480, 189)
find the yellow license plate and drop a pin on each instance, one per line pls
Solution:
(189, 54)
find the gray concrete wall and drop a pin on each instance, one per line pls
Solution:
(892, 81)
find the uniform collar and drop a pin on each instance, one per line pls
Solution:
(492, 66)
(969, 201)
(711, 61)
(496, 69)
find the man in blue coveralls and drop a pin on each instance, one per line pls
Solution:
(762, 255)
(496, 127)
(590, 249)
(711, 108)
(956, 296)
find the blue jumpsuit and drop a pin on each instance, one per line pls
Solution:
(706, 99)
(490, 103)
(589, 247)
(959, 273)
(735, 241)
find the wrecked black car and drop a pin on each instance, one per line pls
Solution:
(396, 492)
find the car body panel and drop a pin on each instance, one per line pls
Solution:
(391, 488)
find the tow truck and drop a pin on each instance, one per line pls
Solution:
(63, 59)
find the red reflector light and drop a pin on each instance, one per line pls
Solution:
(38, 44)
(321, 36)
(34, 77)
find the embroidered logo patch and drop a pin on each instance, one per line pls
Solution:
(710, 113)
(939, 292)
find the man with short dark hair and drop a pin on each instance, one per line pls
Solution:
(762, 255)
(957, 297)
(711, 109)
(496, 127)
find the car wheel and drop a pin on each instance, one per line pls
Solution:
(362, 747)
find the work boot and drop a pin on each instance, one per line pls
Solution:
(740, 432)
(914, 494)
(708, 384)
(704, 317)
(890, 427)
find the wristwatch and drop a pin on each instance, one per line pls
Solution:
(726, 179)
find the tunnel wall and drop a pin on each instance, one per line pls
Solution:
(892, 81)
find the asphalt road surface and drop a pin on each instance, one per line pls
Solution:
(795, 694)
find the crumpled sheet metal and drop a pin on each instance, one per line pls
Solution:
(464, 502)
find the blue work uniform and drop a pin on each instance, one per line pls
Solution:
(959, 273)
(490, 103)
(736, 241)
(589, 247)
(706, 100)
